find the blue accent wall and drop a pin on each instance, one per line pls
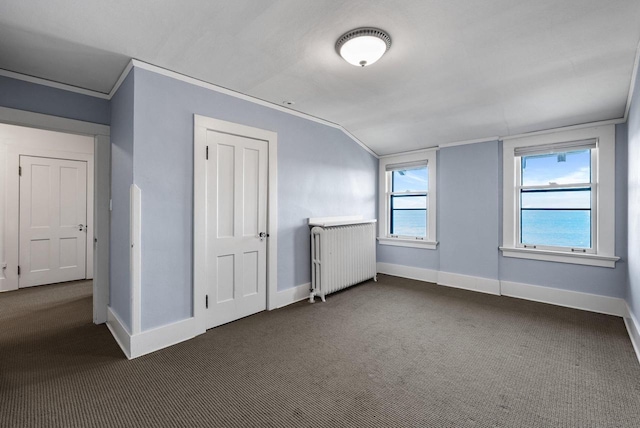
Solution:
(321, 172)
(21, 95)
(122, 120)
(633, 133)
(469, 209)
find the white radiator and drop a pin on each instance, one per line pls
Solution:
(341, 255)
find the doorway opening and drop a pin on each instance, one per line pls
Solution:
(54, 191)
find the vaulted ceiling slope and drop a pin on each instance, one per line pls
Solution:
(457, 69)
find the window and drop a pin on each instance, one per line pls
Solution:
(407, 205)
(559, 197)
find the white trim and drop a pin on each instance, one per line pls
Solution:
(554, 296)
(567, 298)
(53, 84)
(51, 123)
(633, 328)
(102, 227)
(293, 295)
(249, 98)
(410, 152)
(604, 215)
(466, 282)
(146, 342)
(564, 129)
(466, 142)
(135, 257)
(632, 84)
(411, 243)
(201, 125)
(420, 274)
(121, 78)
(560, 257)
(162, 337)
(119, 332)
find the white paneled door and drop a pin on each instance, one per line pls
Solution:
(53, 218)
(236, 219)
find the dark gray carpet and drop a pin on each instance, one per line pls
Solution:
(395, 353)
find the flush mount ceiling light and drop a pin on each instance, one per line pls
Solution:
(363, 46)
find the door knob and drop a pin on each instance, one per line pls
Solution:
(81, 226)
(263, 235)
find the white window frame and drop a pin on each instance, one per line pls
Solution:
(602, 252)
(428, 158)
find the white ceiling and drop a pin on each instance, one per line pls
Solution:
(457, 69)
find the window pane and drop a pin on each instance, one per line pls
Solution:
(410, 180)
(558, 228)
(560, 168)
(409, 215)
(556, 198)
(409, 202)
(409, 222)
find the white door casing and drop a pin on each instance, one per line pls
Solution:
(234, 201)
(53, 218)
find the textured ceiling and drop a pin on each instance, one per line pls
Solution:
(457, 69)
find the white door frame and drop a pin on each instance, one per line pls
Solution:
(203, 124)
(100, 183)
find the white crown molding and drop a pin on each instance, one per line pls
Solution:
(123, 76)
(565, 128)
(466, 142)
(632, 84)
(52, 84)
(411, 152)
(235, 94)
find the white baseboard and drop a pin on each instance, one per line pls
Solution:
(119, 332)
(570, 299)
(466, 282)
(292, 295)
(149, 341)
(409, 272)
(633, 328)
(152, 340)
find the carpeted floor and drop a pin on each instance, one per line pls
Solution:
(395, 353)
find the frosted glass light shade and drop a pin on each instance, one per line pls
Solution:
(363, 46)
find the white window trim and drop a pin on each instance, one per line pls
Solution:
(604, 254)
(384, 238)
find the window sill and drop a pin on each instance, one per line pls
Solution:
(413, 243)
(560, 257)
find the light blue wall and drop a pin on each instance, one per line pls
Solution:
(469, 209)
(122, 120)
(633, 124)
(321, 172)
(21, 95)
